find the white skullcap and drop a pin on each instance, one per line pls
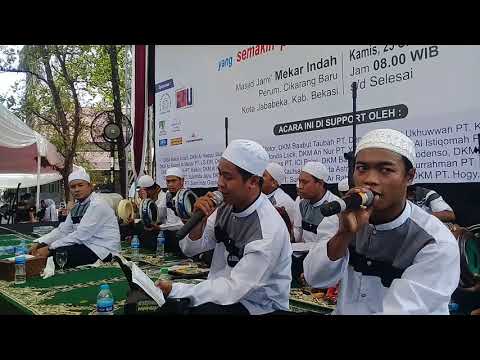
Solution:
(174, 171)
(145, 181)
(388, 139)
(343, 185)
(248, 155)
(79, 175)
(276, 171)
(316, 169)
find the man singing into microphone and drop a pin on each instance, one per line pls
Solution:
(392, 257)
(250, 271)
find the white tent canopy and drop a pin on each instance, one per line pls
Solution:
(27, 180)
(20, 148)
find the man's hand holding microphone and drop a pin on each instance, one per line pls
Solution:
(353, 212)
(202, 209)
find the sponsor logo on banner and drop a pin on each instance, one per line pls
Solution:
(164, 85)
(194, 138)
(175, 125)
(184, 98)
(176, 141)
(165, 103)
(162, 142)
(161, 128)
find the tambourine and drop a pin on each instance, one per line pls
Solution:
(149, 212)
(184, 201)
(125, 210)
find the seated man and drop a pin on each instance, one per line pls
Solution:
(309, 225)
(175, 181)
(273, 177)
(90, 231)
(391, 257)
(25, 211)
(149, 189)
(250, 271)
(432, 202)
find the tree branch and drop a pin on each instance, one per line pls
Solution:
(71, 84)
(39, 77)
(47, 120)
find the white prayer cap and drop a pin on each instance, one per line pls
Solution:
(248, 155)
(174, 171)
(316, 169)
(276, 171)
(388, 139)
(145, 181)
(343, 185)
(78, 175)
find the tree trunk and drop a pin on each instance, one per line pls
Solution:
(67, 169)
(117, 107)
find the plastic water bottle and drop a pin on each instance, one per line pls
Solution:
(105, 301)
(160, 244)
(164, 274)
(20, 264)
(135, 246)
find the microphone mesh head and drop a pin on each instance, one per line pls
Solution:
(217, 197)
(370, 198)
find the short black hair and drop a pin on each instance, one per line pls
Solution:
(408, 164)
(247, 175)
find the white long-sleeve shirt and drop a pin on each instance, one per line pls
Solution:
(98, 230)
(279, 198)
(310, 226)
(259, 277)
(408, 266)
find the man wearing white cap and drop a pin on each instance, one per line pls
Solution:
(391, 257)
(273, 177)
(250, 271)
(310, 226)
(90, 231)
(169, 220)
(175, 182)
(149, 189)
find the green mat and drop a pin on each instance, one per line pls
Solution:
(75, 291)
(11, 240)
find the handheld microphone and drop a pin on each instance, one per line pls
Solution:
(197, 217)
(350, 202)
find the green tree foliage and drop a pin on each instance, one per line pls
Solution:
(63, 82)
